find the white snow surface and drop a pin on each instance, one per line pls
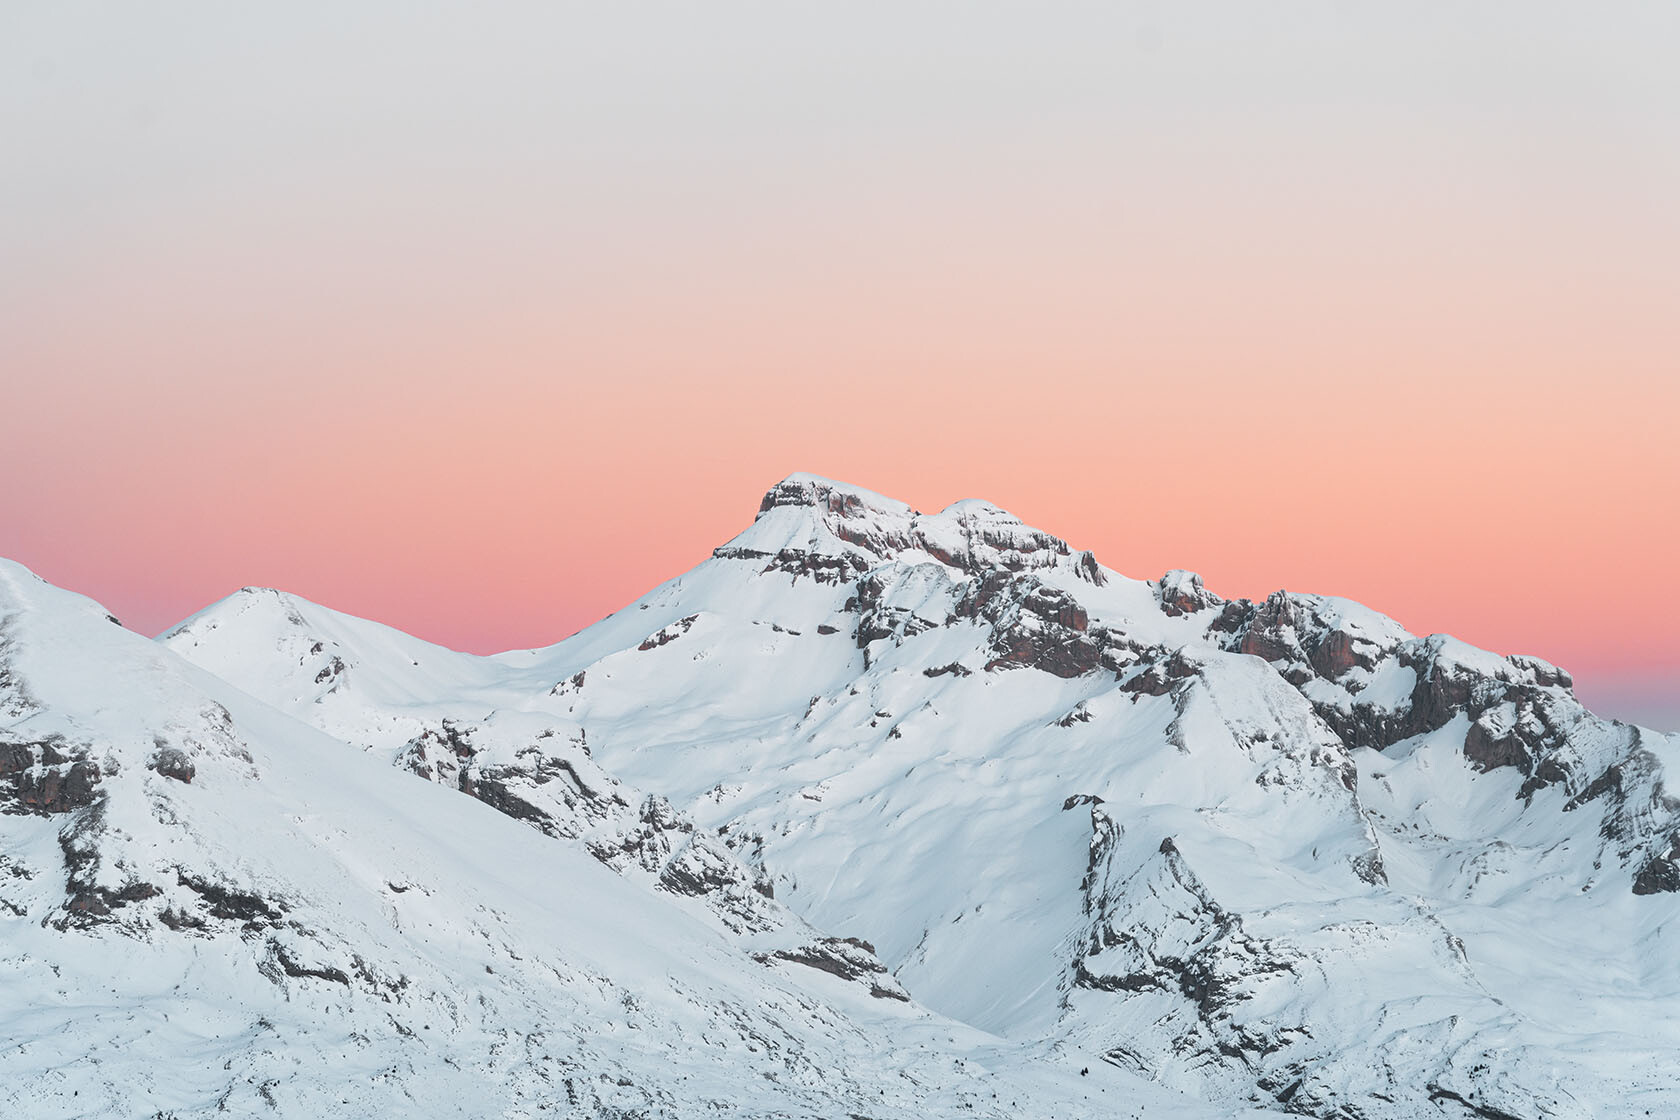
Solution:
(422, 954)
(1223, 856)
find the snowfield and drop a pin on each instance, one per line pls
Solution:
(871, 814)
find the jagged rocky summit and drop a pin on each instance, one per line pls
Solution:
(890, 778)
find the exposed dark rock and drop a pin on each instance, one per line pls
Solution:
(1546, 675)
(849, 958)
(877, 619)
(1232, 617)
(88, 902)
(1157, 933)
(1061, 658)
(231, 904)
(46, 777)
(1087, 568)
(1657, 876)
(1338, 652)
(697, 876)
(1484, 1112)
(973, 538)
(669, 634)
(1083, 977)
(181, 921)
(1286, 630)
(440, 754)
(801, 564)
(1160, 676)
(571, 685)
(1607, 784)
(691, 861)
(1443, 692)
(809, 492)
(1515, 722)
(1661, 873)
(1181, 593)
(1490, 746)
(449, 756)
(493, 788)
(1271, 632)
(292, 968)
(1033, 625)
(1080, 714)
(1369, 867)
(174, 763)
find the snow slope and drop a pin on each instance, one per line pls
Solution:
(1280, 853)
(209, 907)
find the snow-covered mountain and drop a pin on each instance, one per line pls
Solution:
(209, 907)
(870, 813)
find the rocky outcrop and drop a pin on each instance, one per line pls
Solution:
(224, 901)
(173, 763)
(1661, 873)
(1157, 932)
(668, 634)
(1375, 686)
(882, 613)
(553, 785)
(800, 563)
(843, 532)
(683, 859)
(1180, 593)
(1159, 673)
(1033, 625)
(550, 783)
(90, 897)
(849, 958)
(1302, 640)
(46, 777)
(438, 754)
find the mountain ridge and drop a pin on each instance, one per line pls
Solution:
(1278, 854)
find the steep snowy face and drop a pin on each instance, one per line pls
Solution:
(1379, 688)
(1278, 852)
(449, 718)
(295, 654)
(209, 907)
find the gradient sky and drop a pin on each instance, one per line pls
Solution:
(482, 320)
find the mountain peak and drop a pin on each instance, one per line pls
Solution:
(810, 525)
(802, 490)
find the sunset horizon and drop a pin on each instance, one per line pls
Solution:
(480, 615)
(900, 561)
(427, 316)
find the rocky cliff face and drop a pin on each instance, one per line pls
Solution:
(550, 782)
(1278, 853)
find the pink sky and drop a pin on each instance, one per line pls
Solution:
(483, 339)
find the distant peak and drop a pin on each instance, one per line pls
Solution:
(247, 602)
(978, 509)
(261, 597)
(808, 524)
(815, 492)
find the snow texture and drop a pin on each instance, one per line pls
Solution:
(872, 813)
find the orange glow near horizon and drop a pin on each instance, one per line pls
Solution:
(437, 346)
